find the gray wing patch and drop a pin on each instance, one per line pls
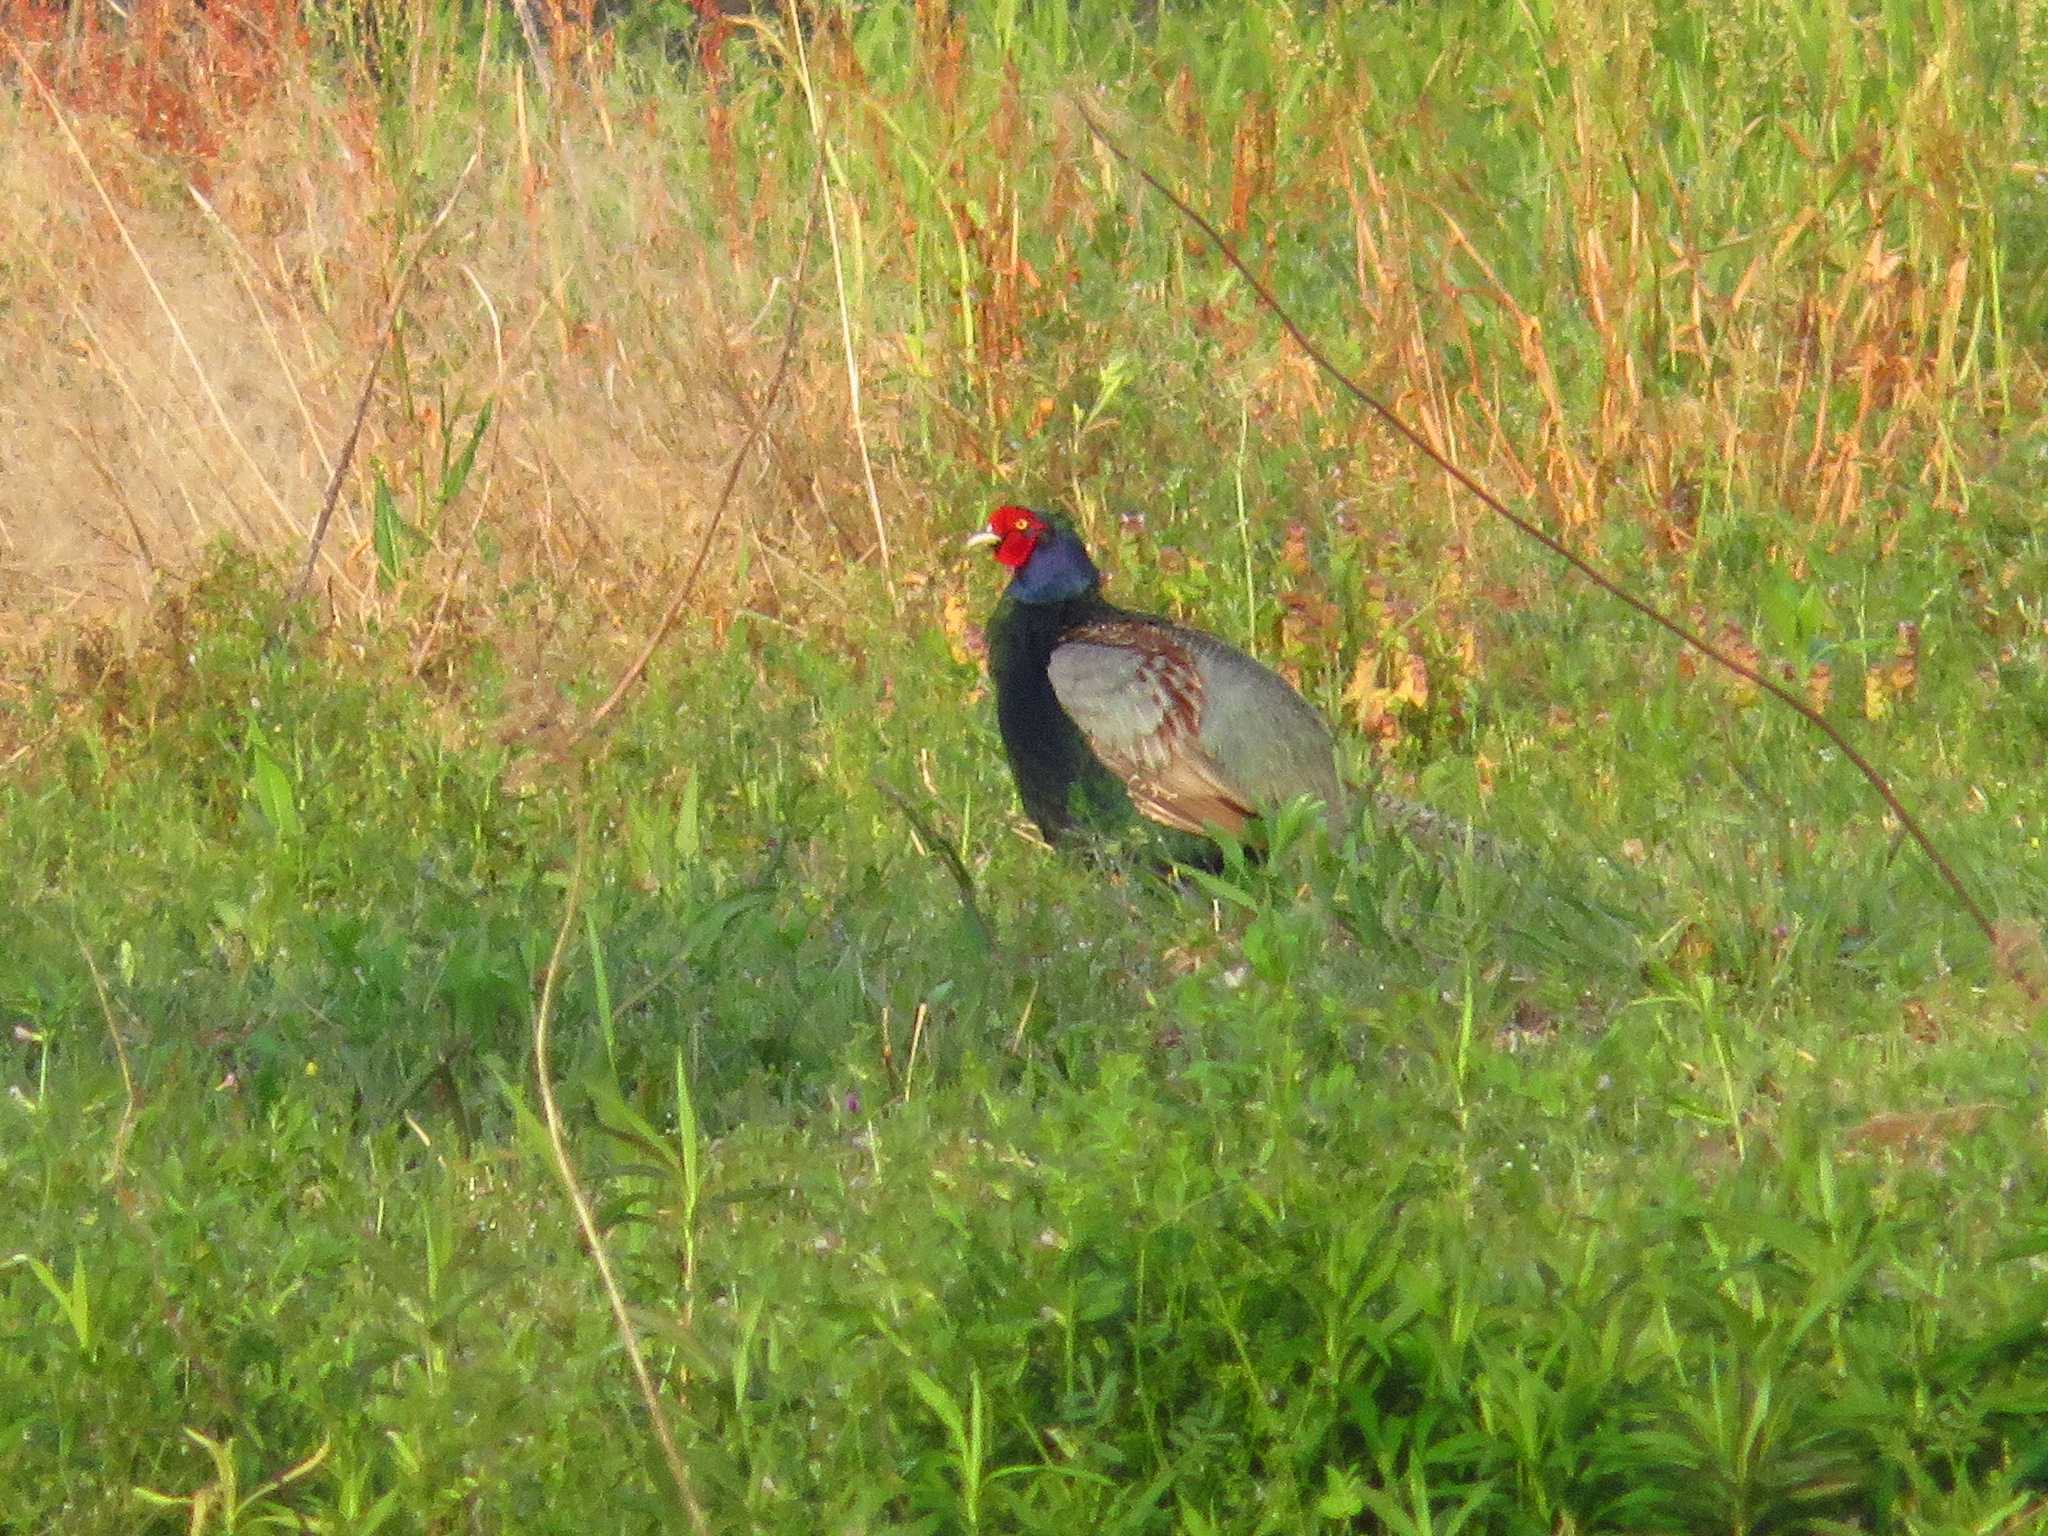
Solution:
(1128, 703)
(1136, 695)
(1202, 736)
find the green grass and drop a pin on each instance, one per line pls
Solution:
(1682, 1176)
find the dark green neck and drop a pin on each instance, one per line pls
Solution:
(1059, 780)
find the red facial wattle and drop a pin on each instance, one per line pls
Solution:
(1017, 531)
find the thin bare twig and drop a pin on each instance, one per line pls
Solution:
(384, 335)
(586, 1219)
(948, 855)
(755, 432)
(1585, 568)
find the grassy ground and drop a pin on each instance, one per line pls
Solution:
(1685, 1176)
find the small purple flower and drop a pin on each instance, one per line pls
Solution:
(853, 1103)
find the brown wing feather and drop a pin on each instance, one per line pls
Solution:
(1154, 743)
(1186, 796)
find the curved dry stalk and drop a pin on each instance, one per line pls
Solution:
(755, 432)
(384, 335)
(1579, 563)
(586, 1219)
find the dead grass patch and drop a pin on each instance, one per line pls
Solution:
(194, 388)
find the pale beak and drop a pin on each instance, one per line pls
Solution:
(981, 538)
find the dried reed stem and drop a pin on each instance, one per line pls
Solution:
(131, 1106)
(586, 1219)
(860, 433)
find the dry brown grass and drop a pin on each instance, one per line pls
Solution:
(184, 363)
(117, 470)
